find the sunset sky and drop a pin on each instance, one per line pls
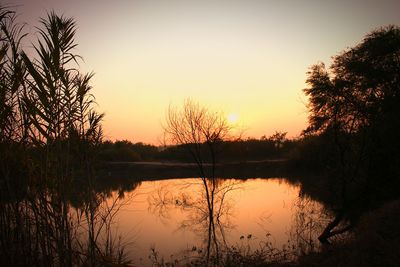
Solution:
(247, 59)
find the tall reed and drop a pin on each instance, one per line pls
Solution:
(50, 131)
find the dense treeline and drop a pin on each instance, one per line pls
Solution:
(125, 151)
(277, 146)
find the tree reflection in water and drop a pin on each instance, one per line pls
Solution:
(214, 225)
(208, 213)
(308, 220)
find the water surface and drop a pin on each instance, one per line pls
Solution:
(173, 216)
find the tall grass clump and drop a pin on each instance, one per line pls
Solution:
(49, 133)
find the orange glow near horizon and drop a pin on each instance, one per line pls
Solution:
(245, 57)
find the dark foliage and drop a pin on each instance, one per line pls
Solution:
(276, 146)
(354, 116)
(240, 150)
(125, 151)
(49, 134)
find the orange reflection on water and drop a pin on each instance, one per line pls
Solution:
(173, 215)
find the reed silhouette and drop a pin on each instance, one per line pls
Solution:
(49, 133)
(51, 139)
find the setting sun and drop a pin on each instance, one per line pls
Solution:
(232, 117)
(199, 133)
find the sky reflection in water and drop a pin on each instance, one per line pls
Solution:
(171, 215)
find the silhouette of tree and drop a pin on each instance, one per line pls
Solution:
(193, 127)
(361, 87)
(278, 138)
(356, 104)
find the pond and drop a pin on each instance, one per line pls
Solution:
(170, 219)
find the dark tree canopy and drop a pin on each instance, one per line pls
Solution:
(355, 111)
(361, 87)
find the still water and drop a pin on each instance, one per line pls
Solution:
(172, 216)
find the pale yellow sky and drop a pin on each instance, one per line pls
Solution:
(249, 58)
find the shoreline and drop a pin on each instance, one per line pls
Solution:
(167, 170)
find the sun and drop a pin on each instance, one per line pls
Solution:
(232, 118)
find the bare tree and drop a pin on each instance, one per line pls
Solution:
(200, 131)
